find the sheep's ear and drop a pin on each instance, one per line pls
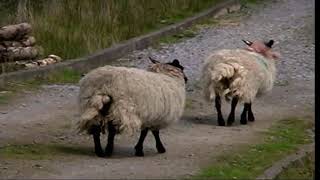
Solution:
(176, 63)
(153, 60)
(249, 43)
(270, 43)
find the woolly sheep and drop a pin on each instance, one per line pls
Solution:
(129, 99)
(240, 74)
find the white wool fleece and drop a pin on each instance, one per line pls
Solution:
(237, 72)
(138, 98)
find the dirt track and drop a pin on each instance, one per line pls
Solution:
(47, 116)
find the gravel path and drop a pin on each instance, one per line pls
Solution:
(46, 117)
(288, 22)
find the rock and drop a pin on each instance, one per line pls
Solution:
(38, 166)
(16, 31)
(55, 57)
(21, 53)
(163, 21)
(234, 8)
(222, 12)
(62, 137)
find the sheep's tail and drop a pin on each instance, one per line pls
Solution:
(123, 115)
(99, 112)
(227, 80)
(91, 114)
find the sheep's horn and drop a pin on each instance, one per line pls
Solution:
(249, 43)
(153, 60)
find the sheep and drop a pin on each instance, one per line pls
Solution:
(240, 75)
(130, 99)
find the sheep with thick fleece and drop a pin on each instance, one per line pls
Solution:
(130, 99)
(240, 75)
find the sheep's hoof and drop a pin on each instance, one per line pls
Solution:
(229, 123)
(108, 152)
(100, 154)
(251, 118)
(243, 122)
(139, 153)
(221, 123)
(243, 119)
(230, 120)
(221, 120)
(161, 149)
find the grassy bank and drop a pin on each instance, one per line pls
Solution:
(72, 29)
(77, 43)
(283, 138)
(303, 169)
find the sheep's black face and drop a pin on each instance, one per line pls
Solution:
(269, 44)
(177, 64)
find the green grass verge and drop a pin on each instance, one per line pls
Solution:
(302, 170)
(188, 33)
(41, 151)
(280, 140)
(207, 22)
(65, 76)
(72, 29)
(249, 1)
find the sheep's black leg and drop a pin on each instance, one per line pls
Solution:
(96, 137)
(159, 144)
(243, 119)
(234, 103)
(139, 146)
(250, 113)
(111, 135)
(218, 108)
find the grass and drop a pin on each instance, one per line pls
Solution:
(189, 103)
(188, 33)
(41, 151)
(207, 22)
(72, 29)
(64, 76)
(12, 89)
(303, 169)
(280, 140)
(249, 1)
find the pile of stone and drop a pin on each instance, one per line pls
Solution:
(18, 48)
